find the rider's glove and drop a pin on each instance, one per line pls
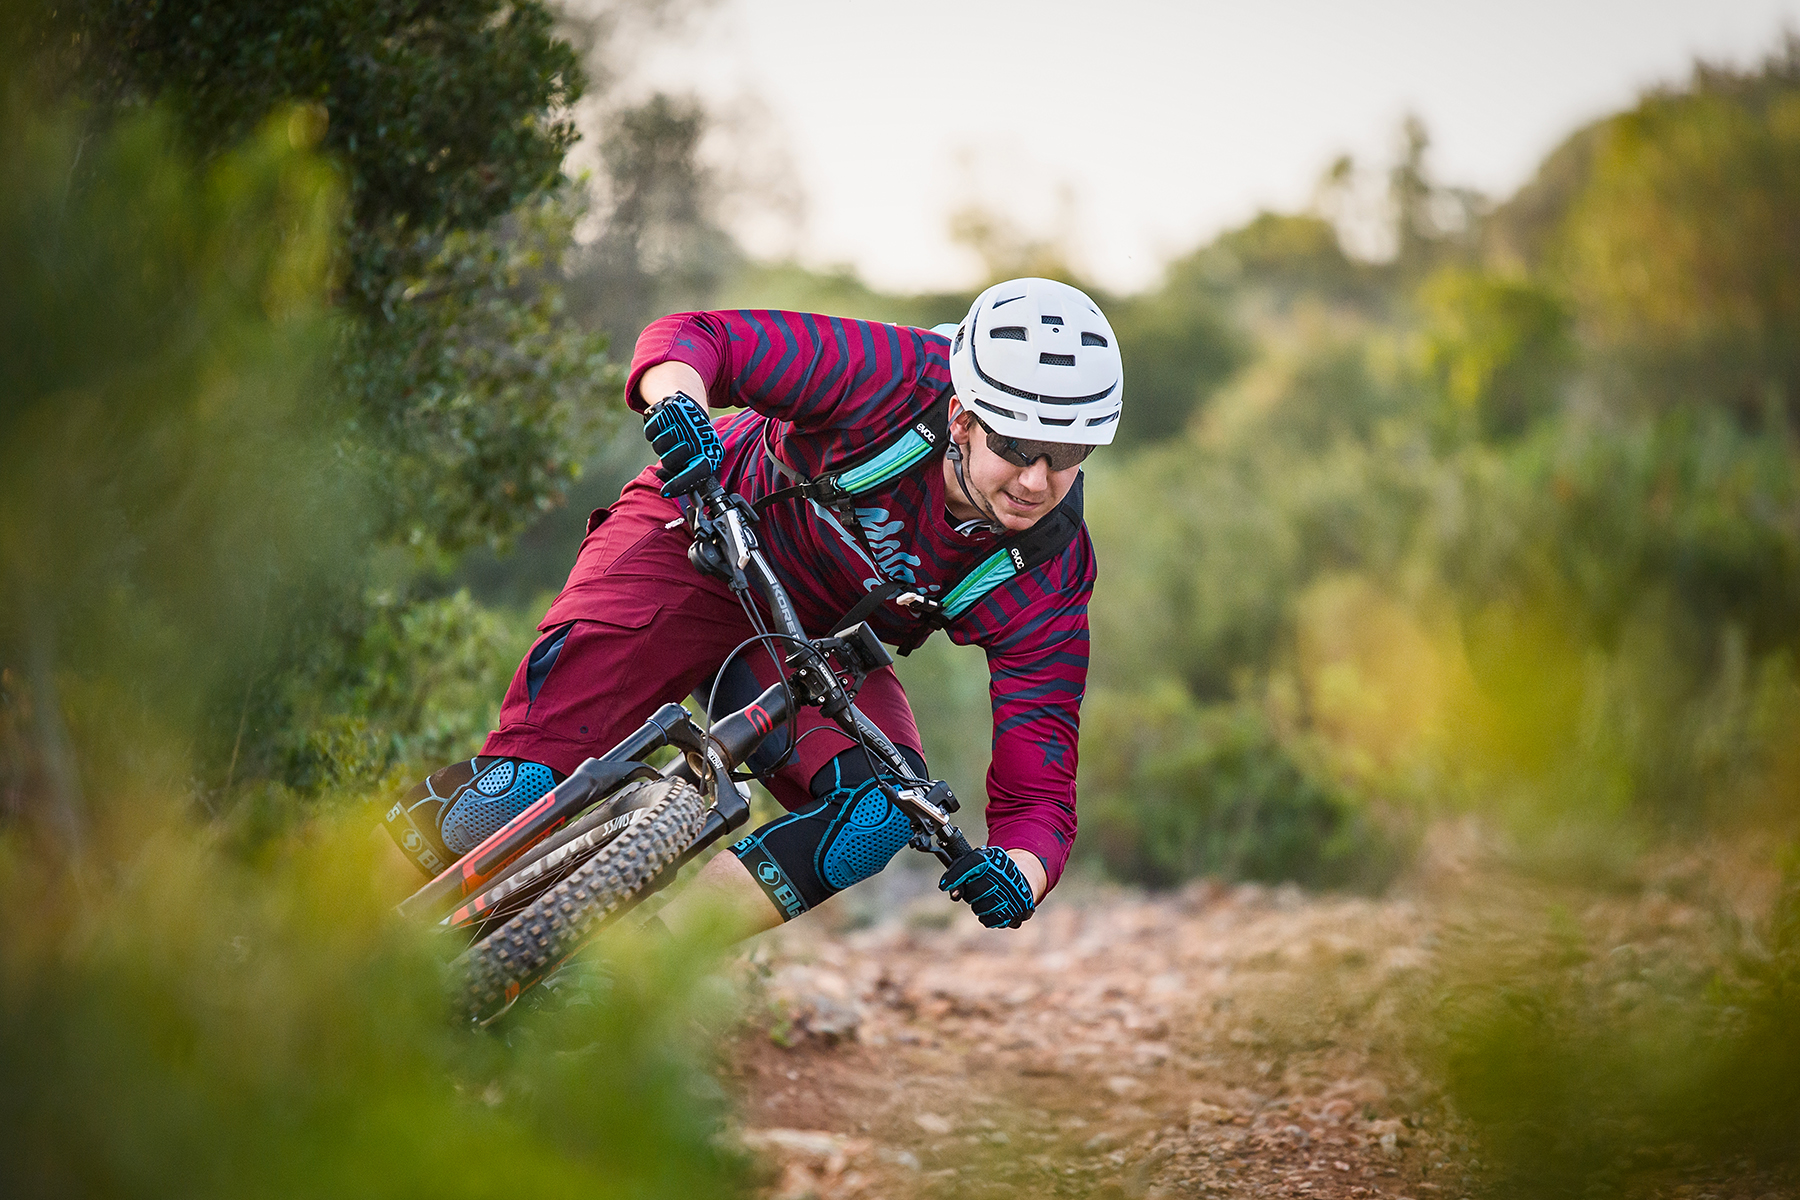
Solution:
(685, 441)
(993, 885)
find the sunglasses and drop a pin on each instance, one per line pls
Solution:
(1022, 452)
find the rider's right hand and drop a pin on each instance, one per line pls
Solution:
(684, 438)
(993, 885)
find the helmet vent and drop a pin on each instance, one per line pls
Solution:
(1057, 420)
(1053, 320)
(957, 349)
(1014, 333)
(1092, 339)
(1111, 416)
(995, 408)
(1057, 360)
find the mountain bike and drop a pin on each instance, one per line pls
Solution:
(617, 830)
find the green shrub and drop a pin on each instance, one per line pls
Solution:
(176, 1018)
(419, 688)
(192, 1025)
(1217, 792)
(1587, 1067)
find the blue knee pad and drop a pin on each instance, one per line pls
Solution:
(866, 834)
(497, 794)
(851, 833)
(461, 805)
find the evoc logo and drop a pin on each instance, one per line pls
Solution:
(1018, 559)
(925, 432)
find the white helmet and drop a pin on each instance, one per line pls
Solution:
(1036, 359)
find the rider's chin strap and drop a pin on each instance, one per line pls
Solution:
(954, 453)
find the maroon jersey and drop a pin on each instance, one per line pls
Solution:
(820, 392)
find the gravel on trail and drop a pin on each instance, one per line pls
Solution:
(1221, 1041)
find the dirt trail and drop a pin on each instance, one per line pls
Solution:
(1221, 1042)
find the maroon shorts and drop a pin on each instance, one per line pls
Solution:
(645, 628)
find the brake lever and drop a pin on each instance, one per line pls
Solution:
(721, 542)
(739, 537)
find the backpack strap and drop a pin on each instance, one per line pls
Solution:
(1016, 555)
(882, 466)
(1019, 553)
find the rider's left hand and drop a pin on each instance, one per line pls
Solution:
(993, 885)
(683, 437)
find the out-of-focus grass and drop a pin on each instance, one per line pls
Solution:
(191, 1024)
(1613, 1042)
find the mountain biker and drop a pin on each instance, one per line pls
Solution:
(1033, 382)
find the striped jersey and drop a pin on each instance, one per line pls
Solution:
(819, 392)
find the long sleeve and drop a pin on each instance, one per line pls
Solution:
(1035, 630)
(815, 372)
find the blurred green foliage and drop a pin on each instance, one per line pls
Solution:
(1452, 541)
(192, 1025)
(448, 394)
(475, 395)
(472, 391)
(1497, 351)
(1179, 791)
(185, 1010)
(1599, 1070)
(421, 685)
(1681, 250)
(444, 117)
(176, 493)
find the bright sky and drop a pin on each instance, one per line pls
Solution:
(1136, 129)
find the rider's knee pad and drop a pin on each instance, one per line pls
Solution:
(863, 838)
(461, 806)
(852, 832)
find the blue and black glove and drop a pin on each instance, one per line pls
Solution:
(993, 885)
(686, 442)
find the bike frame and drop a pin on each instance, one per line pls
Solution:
(823, 673)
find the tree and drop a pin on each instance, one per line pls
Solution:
(457, 391)
(174, 488)
(1496, 351)
(444, 116)
(449, 122)
(1675, 230)
(661, 247)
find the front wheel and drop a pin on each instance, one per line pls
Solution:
(535, 942)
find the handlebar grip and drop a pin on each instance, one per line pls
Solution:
(959, 845)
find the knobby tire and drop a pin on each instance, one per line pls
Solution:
(535, 942)
(553, 860)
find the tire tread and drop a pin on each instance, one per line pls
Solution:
(557, 923)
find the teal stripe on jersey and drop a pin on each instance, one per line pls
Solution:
(989, 575)
(886, 465)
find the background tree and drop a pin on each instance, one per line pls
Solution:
(463, 396)
(1675, 230)
(660, 247)
(450, 123)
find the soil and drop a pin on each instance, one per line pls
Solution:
(1232, 1042)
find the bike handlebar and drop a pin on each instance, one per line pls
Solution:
(725, 544)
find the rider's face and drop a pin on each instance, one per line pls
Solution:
(1016, 497)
